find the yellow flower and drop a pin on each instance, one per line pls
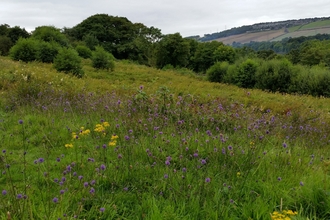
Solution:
(114, 137)
(69, 145)
(86, 132)
(238, 174)
(99, 128)
(112, 143)
(74, 135)
(106, 124)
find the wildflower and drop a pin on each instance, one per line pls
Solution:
(85, 184)
(40, 160)
(4, 192)
(20, 121)
(279, 178)
(4, 151)
(102, 167)
(19, 196)
(55, 200)
(56, 180)
(167, 162)
(230, 147)
(112, 143)
(238, 174)
(203, 162)
(120, 156)
(184, 169)
(80, 177)
(93, 182)
(92, 190)
(301, 183)
(105, 124)
(166, 176)
(285, 145)
(69, 145)
(62, 191)
(102, 209)
(207, 180)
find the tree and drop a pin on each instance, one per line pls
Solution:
(246, 74)
(174, 50)
(216, 72)
(16, 32)
(224, 53)
(50, 34)
(47, 51)
(84, 51)
(5, 45)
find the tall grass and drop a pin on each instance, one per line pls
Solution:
(139, 143)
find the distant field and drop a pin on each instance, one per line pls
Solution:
(309, 32)
(314, 28)
(246, 38)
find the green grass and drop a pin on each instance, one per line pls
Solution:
(316, 24)
(186, 148)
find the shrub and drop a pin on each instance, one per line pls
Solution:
(25, 50)
(102, 59)
(84, 51)
(246, 74)
(5, 44)
(68, 61)
(47, 51)
(216, 72)
(275, 75)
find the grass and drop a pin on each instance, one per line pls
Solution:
(316, 24)
(140, 143)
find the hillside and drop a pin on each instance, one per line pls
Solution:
(272, 31)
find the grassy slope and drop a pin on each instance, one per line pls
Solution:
(128, 77)
(243, 196)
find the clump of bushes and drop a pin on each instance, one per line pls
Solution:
(84, 51)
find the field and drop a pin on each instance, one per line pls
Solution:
(141, 143)
(314, 28)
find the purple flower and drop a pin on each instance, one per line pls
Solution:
(165, 176)
(80, 177)
(58, 159)
(195, 154)
(279, 178)
(19, 196)
(92, 190)
(184, 169)
(4, 151)
(74, 173)
(102, 167)
(167, 162)
(55, 200)
(125, 188)
(4, 192)
(56, 180)
(126, 138)
(285, 145)
(85, 184)
(68, 168)
(41, 160)
(207, 180)
(102, 209)
(20, 121)
(120, 156)
(62, 191)
(230, 147)
(223, 151)
(301, 183)
(93, 182)
(231, 201)
(63, 179)
(203, 162)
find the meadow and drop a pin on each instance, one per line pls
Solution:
(141, 143)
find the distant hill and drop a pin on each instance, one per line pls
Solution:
(270, 31)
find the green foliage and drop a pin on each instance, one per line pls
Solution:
(274, 75)
(25, 50)
(16, 32)
(216, 72)
(246, 74)
(5, 45)
(202, 58)
(47, 51)
(50, 34)
(68, 61)
(101, 59)
(91, 41)
(174, 50)
(224, 53)
(84, 51)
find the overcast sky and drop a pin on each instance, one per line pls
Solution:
(188, 17)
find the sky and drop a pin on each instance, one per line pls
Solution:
(187, 17)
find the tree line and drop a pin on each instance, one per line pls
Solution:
(103, 38)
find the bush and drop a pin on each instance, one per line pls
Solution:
(275, 75)
(84, 51)
(216, 72)
(5, 44)
(68, 61)
(47, 51)
(102, 59)
(25, 50)
(246, 74)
